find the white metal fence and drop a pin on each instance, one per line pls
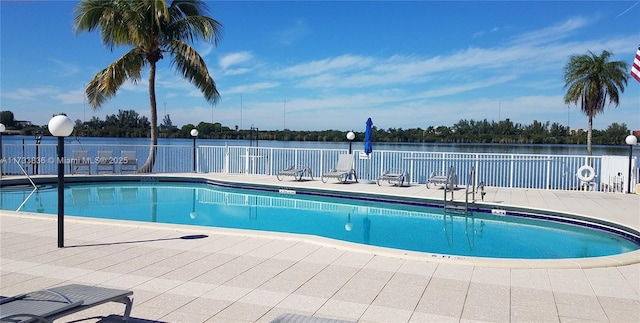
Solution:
(556, 172)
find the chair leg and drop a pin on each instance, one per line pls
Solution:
(127, 309)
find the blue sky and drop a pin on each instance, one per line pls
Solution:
(332, 64)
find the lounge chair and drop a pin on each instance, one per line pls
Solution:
(47, 305)
(394, 177)
(296, 171)
(105, 162)
(80, 160)
(128, 161)
(343, 171)
(447, 181)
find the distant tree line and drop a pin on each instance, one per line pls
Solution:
(129, 124)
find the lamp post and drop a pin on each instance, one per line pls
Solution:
(350, 137)
(2, 129)
(60, 126)
(631, 140)
(194, 134)
(38, 137)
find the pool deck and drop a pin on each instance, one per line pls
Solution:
(247, 276)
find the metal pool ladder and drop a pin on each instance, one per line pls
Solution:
(470, 190)
(449, 187)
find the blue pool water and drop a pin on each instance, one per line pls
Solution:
(400, 226)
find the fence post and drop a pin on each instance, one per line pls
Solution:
(511, 166)
(226, 159)
(548, 185)
(246, 160)
(476, 167)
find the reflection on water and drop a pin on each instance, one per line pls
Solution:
(380, 224)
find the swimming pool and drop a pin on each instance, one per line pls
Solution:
(400, 226)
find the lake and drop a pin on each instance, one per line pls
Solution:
(598, 150)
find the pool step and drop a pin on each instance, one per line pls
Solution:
(455, 209)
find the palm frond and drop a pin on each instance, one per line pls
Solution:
(110, 17)
(193, 68)
(189, 23)
(106, 83)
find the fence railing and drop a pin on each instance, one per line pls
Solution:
(555, 172)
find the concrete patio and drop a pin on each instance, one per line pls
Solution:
(247, 276)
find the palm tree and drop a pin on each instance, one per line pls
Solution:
(152, 29)
(593, 79)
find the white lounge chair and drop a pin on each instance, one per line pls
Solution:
(343, 171)
(128, 161)
(105, 162)
(395, 177)
(298, 172)
(80, 160)
(448, 181)
(47, 305)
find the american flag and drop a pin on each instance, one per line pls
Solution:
(635, 69)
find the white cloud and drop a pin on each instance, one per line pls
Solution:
(63, 69)
(553, 33)
(292, 34)
(234, 59)
(343, 64)
(71, 97)
(205, 49)
(249, 88)
(29, 94)
(237, 71)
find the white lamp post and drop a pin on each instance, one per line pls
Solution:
(631, 140)
(350, 137)
(2, 129)
(194, 134)
(60, 126)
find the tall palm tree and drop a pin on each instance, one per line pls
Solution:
(152, 29)
(593, 79)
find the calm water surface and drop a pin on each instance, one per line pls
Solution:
(598, 150)
(407, 227)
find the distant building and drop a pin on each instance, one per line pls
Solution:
(576, 131)
(23, 123)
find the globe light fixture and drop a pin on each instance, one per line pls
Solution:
(38, 138)
(350, 137)
(194, 134)
(631, 140)
(60, 126)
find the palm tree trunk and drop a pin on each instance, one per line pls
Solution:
(148, 165)
(589, 133)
